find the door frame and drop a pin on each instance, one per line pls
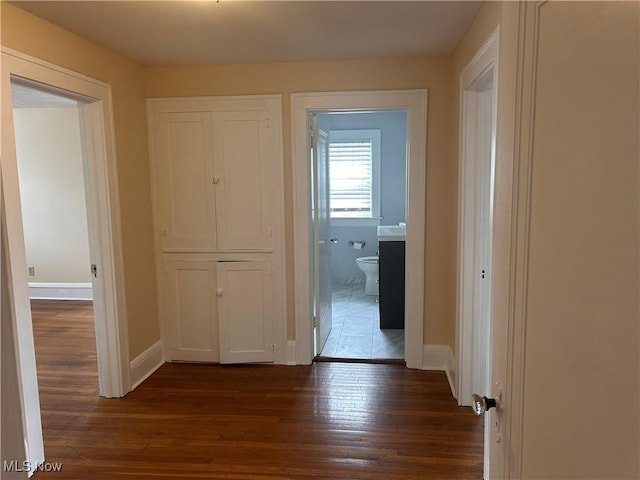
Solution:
(414, 102)
(468, 347)
(473, 339)
(104, 226)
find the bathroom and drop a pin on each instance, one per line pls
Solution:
(356, 331)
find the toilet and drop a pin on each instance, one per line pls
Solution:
(369, 265)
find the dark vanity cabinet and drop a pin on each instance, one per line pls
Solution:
(391, 287)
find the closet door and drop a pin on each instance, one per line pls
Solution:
(184, 175)
(243, 157)
(245, 312)
(191, 311)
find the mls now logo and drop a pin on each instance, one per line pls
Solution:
(26, 466)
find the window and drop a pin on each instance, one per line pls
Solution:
(354, 180)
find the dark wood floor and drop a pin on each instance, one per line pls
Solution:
(190, 421)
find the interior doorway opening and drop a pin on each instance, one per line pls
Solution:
(358, 183)
(103, 221)
(51, 175)
(414, 103)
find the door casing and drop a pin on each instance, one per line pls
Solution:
(478, 103)
(104, 232)
(414, 102)
(473, 86)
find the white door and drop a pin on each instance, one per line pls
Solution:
(242, 168)
(574, 329)
(321, 231)
(478, 133)
(245, 311)
(184, 174)
(192, 318)
(482, 235)
(483, 244)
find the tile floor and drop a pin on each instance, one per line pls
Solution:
(356, 329)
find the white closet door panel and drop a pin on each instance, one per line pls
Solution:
(242, 157)
(185, 176)
(245, 312)
(192, 312)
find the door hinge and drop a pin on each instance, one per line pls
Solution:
(94, 270)
(315, 321)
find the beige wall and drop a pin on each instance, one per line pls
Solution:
(52, 195)
(433, 73)
(582, 369)
(28, 34)
(485, 22)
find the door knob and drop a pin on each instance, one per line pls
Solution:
(481, 404)
(334, 240)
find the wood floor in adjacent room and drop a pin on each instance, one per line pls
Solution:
(194, 421)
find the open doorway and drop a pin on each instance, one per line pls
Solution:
(50, 158)
(365, 188)
(413, 102)
(94, 104)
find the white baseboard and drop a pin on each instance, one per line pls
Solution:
(146, 363)
(440, 357)
(60, 291)
(291, 352)
(451, 373)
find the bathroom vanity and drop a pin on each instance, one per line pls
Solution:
(391, 275)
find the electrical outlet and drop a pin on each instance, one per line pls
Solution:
(32, 271)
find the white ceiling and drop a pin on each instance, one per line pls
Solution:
(241, 31)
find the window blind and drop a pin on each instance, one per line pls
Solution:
(351, 178)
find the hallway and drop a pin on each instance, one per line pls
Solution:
(324, 421)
